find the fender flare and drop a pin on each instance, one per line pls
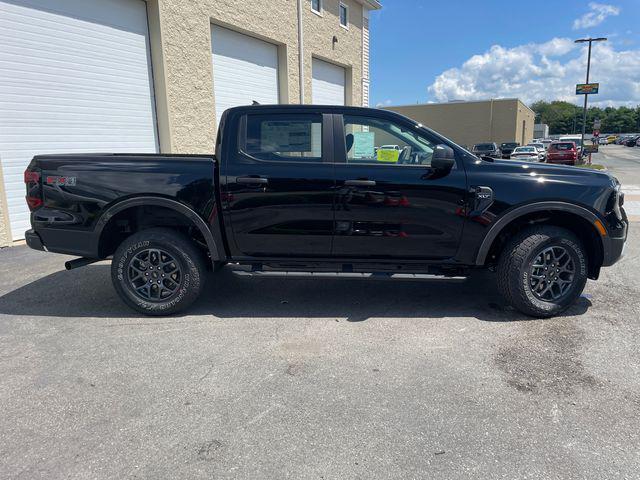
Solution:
(160, 202)
(517, 212)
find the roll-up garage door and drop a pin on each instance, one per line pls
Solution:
(328, 83)
(245, 69)
(75, 76)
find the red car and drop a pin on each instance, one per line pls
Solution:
(564, 153)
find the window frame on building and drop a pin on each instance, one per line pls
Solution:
(320, 9)
(344, 6)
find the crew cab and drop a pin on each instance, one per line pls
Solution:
(310, 188)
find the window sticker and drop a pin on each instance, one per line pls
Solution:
(364, 144)
(285, 136)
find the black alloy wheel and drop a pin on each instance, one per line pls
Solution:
(552, 274)
(154, 275)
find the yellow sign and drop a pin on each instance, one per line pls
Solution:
(388, 156)
(587, 88)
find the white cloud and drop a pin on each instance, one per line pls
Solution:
(544, 71)
(386, 103)
(597, 14)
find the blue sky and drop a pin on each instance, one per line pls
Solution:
(424, 51)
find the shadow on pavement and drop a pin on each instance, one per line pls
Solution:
(87, 292)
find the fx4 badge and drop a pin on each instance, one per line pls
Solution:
(61, 181)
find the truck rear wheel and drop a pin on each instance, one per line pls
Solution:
(158, 271)
(542, 270)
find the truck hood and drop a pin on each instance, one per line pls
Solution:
(553, 171)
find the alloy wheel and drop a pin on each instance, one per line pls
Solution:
(154, 275)
(552, 274)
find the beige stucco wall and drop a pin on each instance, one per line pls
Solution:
(468, 123)
(180, 34)
(5, 236)
(346, 52)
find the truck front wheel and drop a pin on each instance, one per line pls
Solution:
(542, 270)
(158, 271)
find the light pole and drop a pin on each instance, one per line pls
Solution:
(584, 111)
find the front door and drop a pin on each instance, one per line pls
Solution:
(278, 186)
(390, 203)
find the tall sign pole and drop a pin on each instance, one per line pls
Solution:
(586, 94)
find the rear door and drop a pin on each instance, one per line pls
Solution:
(390, 203)
(278, 184)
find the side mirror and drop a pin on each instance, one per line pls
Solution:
(443, 158)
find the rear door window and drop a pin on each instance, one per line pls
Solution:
(562, 146)
(282, 137)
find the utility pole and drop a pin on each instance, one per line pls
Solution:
(586, 96)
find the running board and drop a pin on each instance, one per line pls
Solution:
(353, 275)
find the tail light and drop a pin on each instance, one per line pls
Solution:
(34, 189)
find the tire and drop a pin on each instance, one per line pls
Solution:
(158, 271)
(521, 280)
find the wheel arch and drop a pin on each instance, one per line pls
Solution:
(573, 217)
(183, 210)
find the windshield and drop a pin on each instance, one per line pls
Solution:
(483, 146)
(562, 146)
(509, 145)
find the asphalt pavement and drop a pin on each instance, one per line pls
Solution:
(300, 378)
(624, 163)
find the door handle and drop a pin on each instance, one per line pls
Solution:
(360, 183)
(252, 180)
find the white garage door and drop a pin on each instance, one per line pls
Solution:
(328, 83)
(244, 69)
(75, 76)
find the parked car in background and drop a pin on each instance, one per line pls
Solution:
(631, 141)
(603, 141)
(612, 138)
(526, 154)
(576, 139)
(506, 148)
(564, 153)
(638, 142)
(487, 150)
(542, 151)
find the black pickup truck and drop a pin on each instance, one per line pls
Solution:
(339, 189)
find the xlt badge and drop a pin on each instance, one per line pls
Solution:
(61, 181)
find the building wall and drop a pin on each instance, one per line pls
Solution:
(4, 214)
(346, 52)
(183, 71)
(526, 120)
(467, 123)
(180, 43)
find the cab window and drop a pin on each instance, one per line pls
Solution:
(376, 141)
(282, 137)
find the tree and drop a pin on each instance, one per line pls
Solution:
(565, 117)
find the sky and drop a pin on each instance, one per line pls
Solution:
(438, 51)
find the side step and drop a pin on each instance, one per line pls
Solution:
(347, 271)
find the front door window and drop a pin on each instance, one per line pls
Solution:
(374, 141)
